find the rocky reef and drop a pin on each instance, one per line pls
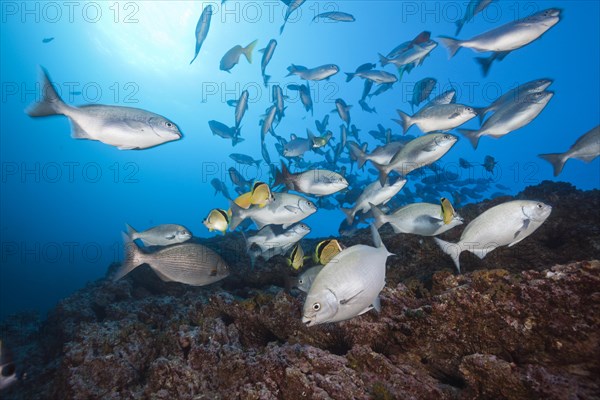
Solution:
(523, 323)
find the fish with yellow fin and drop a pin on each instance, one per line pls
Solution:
(326, 250)
(296, 258)
(448, 212)
(260, 195)
(217, 220)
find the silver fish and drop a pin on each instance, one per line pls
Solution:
(161, 235)
(447, 97)
(278, 101)
(586, 148)
(297, 146)
(232, 57)
(515, 95)
(440, 117)
(414, 54)
(272, 241)
(381, 155)
(335, 16)
(267, 54)
(419, 152)
(241, 108)
(305, 280)
(202, 29)
(343, 110)
(374, 194)
(510, 117)
(292, 6)
(313, 74)
(305, 98)
(286, 209)
(378, 77)
(123, 127)
(318, 182)
(423, 219)
(189, 263)
(267, 123)
(349, 285)
(506, 38)
(503, 225)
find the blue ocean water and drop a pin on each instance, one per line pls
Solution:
(65, 201)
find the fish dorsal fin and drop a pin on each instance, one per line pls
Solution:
(293, 136)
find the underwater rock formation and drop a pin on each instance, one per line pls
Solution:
(515, 325)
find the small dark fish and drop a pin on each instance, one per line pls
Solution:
(238, 180)
(222, 130)
(267, 54)
(464, 163)
(244, 159)
(422, 90)
(202, 29)
(366, 89)
(381, 89)
(304, 96)
(220, 187)
(489, 163)
(322, 125)
(47, 40)
(365, 106)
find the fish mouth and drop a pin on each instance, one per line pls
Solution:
(307, 321)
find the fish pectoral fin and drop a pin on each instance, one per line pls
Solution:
(170, 237)
(516, 238)
(349, 299)
(127, 147)
(430, 147)
(455, 115)
(377, 304)
(77, 132)
(292, 209)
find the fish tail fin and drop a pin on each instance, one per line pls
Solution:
(238, 214)
(51, 103)
(378, 215)
(249, 49)
(481, 111)
(291, 70)
(405, 121)
(384, 171)
(383, 60)
(349, 76)
(282, 176)
(485, 63)
(557, 160)
(361, 156)
(453, 45)
(472, 135)
(451, 249)
(266, 79)
(132, 258)
(131, 232)
(235, 140)
(282, 27)
(349, 214)
(459, 26)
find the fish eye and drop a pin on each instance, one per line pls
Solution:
(169, 124)
(316, 306)
(301, 281)
(539, 205)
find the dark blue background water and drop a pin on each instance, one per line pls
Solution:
(65, 201)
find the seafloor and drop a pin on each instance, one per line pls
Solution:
(524, 323)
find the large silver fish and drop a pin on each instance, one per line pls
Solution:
(161, 235)
(202, 29)
(510, 117)
(506, 38)
(414, 55)
(503, 225)
(188, 263)
(374, 194)
(286, 209)
(586, 148)
(123, 127)
(317, 182)
(423, 219)
(440, 117)
(515, 95)
(267, 54)
(313, 74)
(419, 152)
(349, 285)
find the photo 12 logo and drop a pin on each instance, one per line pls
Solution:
(53, 12)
